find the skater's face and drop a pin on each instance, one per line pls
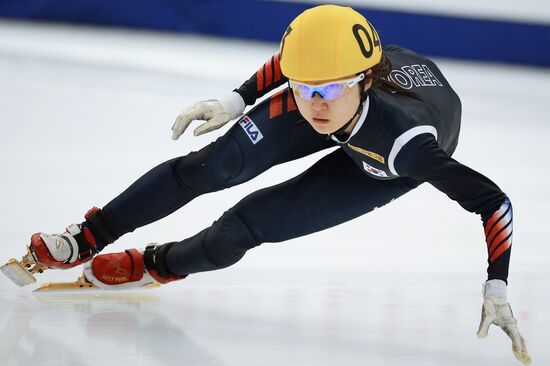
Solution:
(329, 113)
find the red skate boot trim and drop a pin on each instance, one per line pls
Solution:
(90, 212)
(116, 268)
(89, 237)
(151, 255)
(88, 249)
(137, 264)
(99, 226)
(43, 256)
(164, 280)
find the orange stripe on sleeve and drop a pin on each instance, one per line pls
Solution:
(496, 216)
(268, 72)
(290, 105)
(260, 79)
(277, 67)
(491, 221)
(500, 250)
(500, 237)
(496, 229)
(276, 105)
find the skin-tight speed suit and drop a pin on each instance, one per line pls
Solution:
(398, 143)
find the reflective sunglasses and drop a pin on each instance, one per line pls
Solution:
(328, 91)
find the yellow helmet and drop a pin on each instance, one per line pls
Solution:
(329, 42)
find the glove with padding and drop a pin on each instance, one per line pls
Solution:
(215, 112)
(497, 311)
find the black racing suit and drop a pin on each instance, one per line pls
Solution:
(398, 143)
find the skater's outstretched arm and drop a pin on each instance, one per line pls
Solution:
(423, 159)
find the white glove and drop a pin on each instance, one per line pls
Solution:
(497, 311)
(216, 113)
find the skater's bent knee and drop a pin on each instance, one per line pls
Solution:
(219, 246)
(228, 240)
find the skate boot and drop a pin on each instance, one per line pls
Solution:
(78, 244)
(120, 271)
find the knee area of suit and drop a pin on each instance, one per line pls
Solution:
(228, 239)
(210, 168)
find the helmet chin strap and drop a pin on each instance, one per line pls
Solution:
(340, 131)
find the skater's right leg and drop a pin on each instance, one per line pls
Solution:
(271, 133)
(334, 190)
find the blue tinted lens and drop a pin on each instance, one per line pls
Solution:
(303, 91)
(332, 91)
(328, 92)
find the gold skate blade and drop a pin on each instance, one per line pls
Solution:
(65, 286)
(17, 273)
(76, 286)
(80, 284)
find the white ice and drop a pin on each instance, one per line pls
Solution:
(84, 112)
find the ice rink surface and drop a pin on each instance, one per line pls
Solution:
(84, 112)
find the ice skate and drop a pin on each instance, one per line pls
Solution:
(131, 269)
(45, 251)
(77, 245)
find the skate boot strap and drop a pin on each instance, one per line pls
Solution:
(154, 257)
(136, 272)
(85, 240)
(100, 228)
